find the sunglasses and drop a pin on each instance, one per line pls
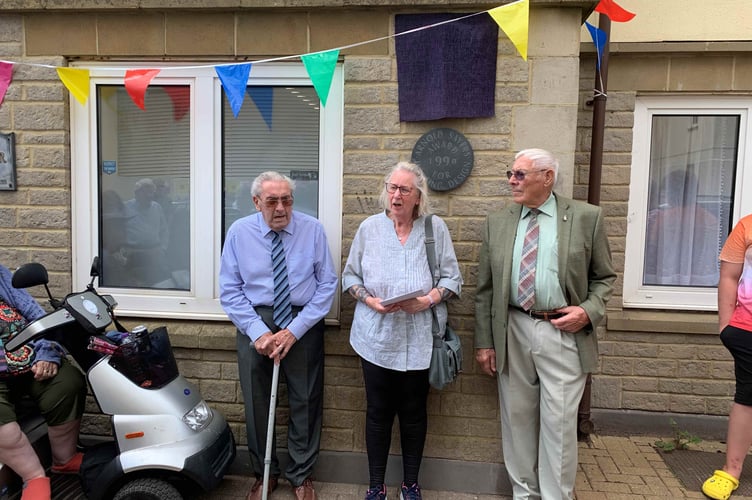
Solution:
(520, 174)
(286, 201)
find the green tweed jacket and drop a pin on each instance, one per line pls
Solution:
(586, 274)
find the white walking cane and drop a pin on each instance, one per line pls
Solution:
(270, 430)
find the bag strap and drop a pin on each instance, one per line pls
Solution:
(431, 256)
(430, 246)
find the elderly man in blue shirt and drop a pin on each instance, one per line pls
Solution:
(249, 269)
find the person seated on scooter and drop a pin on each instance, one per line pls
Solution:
(40, 370)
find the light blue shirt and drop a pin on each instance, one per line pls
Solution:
(146, 227)
(246, 280)
(386, 268)
(548, 294)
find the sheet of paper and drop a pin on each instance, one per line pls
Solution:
(400, 298)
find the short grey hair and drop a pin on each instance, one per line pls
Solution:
(541, 159)
(263, 177)
(145, 182)
(421, 184)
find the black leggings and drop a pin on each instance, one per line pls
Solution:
(739, 344)
(390, 393)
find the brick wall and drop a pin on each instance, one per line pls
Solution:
(653, 360)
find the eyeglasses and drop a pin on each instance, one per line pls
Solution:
(392, 188)
(520, 174)
(286, 201)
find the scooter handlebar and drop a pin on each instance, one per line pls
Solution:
(39, 328)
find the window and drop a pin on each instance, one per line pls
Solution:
(688, 167)
(155, 190)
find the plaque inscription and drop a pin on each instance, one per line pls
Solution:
(445, 156)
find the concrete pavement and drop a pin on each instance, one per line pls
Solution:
(611, 467)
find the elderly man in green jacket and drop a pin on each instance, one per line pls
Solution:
(544, 277)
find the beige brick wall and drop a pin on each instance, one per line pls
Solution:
(653, 360)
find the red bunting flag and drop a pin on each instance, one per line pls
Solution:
(181, 100)
(6, 74)
(136, 81)
(614, 11)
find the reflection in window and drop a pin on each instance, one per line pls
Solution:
(144, 200)
(692, 165)
(277, 129)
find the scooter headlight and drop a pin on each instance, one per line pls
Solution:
(199, 417)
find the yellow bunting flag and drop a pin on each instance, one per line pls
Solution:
(76, 81)
(513, 19)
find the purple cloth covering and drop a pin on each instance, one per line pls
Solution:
(447, 71)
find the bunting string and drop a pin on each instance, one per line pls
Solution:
(512, 18)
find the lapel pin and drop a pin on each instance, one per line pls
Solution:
(565, 218)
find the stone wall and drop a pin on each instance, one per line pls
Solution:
(653, 360)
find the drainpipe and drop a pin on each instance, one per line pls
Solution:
(584, 424)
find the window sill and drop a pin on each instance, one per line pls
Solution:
(663, 322)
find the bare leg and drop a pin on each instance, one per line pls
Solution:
(63, 441)
(739, 438)
(16, 452)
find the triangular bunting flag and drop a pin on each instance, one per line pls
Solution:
(76, 81)
(263, 97)
(514, 19)
(320, 67)
(599, 39)
(136, 81)
(614, 11)
(6, 74)
(234, 79)
(181, 100)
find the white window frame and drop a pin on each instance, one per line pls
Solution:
(635, 294)
(202, 300)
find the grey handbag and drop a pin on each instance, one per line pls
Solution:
(446, 355)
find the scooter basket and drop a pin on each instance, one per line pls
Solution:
(148, 362)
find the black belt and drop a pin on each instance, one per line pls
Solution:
(544, 315)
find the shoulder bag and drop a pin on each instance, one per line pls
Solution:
(446, 355)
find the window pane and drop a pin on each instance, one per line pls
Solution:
(692, 167)
(277, 129)
(144, 195)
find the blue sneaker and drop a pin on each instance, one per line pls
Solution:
(376, 493)
(411, 493)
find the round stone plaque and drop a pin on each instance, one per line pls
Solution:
(445, 156)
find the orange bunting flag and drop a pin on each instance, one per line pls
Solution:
(136, 81)
(76, 81)
(614, 11)
(513, 19)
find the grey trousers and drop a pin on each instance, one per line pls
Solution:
(303, 371)
(539, 391)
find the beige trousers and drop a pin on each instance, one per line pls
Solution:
(539, 391)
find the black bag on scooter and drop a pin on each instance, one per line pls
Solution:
(95, 460)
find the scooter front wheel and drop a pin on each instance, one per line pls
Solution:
(148, 489)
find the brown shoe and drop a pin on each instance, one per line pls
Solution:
(305, 491)
(257, 490)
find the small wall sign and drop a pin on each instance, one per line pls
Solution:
(109, 167)
(8, 162)
(445, 156)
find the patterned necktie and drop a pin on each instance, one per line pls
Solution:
(526, 286)
(282, 305)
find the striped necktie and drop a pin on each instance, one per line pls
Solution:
(528, 259)
(282, 305)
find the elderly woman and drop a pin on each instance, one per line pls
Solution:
(59, 389)
(388, 259)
